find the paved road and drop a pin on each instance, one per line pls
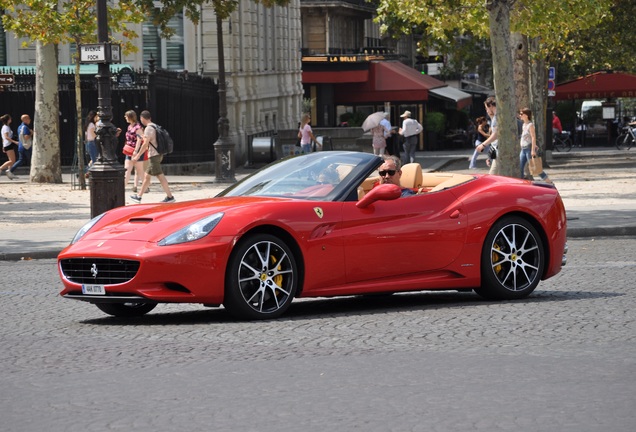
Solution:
(562, 360)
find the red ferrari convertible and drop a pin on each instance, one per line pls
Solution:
(319, 225)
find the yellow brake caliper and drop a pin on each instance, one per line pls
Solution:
(496, 258)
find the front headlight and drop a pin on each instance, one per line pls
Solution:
(86, 227)
(192, 232)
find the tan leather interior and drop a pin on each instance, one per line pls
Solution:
(411, 176)
(414, 178)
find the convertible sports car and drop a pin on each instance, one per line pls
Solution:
(320, 225)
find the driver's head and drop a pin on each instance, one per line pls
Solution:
(390, 171)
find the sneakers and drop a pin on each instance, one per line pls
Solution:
(136, 198)
(10, 175)
(134, 189)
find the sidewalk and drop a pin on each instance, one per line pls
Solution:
(597, 186)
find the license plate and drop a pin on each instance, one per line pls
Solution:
(93, 289)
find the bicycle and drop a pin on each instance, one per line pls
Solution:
(627, 138)
(562, 141)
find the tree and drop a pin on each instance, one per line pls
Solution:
(604, 46)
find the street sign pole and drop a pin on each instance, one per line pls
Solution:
(107, 174)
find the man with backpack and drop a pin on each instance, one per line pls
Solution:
(153, 168)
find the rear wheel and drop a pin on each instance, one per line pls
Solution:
(512, 260)
(126, 310)
(261, 278)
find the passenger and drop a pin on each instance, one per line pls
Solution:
(390, 172)
(329, 176)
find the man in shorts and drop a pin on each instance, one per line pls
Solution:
(154, 160)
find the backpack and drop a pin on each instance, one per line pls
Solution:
(164, 140)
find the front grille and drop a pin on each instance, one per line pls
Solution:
(99, 271)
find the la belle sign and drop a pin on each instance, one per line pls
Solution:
(100, 53)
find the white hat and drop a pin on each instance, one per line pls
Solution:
(406, 114)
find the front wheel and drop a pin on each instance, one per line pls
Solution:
(512, 260)
(126, 310)
(563, 144)
(261, 278)
(624, 141)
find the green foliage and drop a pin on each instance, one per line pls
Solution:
(602, 47)
(73, 21)
(435, 122)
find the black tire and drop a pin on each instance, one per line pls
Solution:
(261, 278)
(567, 144)
(512, 260)
(624, 141)
(562, 144)
(126, 310)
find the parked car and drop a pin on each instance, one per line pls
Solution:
(320, 225)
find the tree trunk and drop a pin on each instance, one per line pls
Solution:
(538, 92)
(499, 21)
(46, 164)
(519, 45)
(80, 123)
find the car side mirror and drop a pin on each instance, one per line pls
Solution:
(383, 192)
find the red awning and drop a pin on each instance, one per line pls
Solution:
(599, 85)
(388, 81)
(335, 77)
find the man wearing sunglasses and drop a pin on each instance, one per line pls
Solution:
(390, 173)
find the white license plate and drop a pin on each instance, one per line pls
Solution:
(93, 289)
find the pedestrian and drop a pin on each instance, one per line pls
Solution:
(305, 134)
(25, 140)
(379, 141)
(90, 137)
(483, 132)
(134, 138)
(153, 168)
(493, 140)
(529, 149)
(388, 136)
(9, 146)
(410, 129)
(556, 124)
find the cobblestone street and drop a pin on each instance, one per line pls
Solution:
(562, 359)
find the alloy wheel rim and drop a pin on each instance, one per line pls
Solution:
(515, 257)
(265, 277)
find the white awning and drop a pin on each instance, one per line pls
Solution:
(452, 94)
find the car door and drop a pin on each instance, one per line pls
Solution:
(405, 236)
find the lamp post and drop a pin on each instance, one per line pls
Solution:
(224, 147)
(107, 174)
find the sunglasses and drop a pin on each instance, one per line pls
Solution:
(389, 172)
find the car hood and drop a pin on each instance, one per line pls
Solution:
(151, 223)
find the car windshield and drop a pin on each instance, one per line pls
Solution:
(318, 176)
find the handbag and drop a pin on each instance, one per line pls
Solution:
(26, 140)
(492, 152)
(535, 165)
(128, 150)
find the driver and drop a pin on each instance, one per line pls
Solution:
(390, 173)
